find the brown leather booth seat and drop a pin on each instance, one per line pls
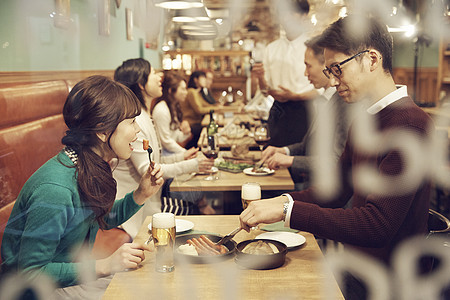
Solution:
(31, 128)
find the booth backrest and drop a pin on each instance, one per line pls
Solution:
(31, 128)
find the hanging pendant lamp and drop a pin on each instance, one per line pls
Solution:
(190, 15)
(179, 4)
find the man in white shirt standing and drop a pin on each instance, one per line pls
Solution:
(281, 75)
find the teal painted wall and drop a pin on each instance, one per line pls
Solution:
(29, 41)
(403, 55)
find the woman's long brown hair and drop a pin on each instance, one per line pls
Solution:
(170, 84)
(96, 104)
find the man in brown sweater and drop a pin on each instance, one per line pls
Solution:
(388, 204)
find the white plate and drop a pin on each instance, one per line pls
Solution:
(181, 225)
(267, 171)
(290, 239)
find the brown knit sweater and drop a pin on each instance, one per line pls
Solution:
(376, 223)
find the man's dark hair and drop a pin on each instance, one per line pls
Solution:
(302, 6)
(356, 33)
(317, 50)
(292, 7)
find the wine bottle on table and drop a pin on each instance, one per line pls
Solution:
(212, 126)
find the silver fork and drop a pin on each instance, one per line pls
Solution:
(150, 238)
(258, 165)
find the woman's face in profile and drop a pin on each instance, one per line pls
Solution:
(123, 137)
(153, 86)
(201, 82)
(181, 92)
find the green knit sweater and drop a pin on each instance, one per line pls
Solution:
(49, 225)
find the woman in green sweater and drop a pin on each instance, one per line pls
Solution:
(64, 203)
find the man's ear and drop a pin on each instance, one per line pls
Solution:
(103, 137)
(376, 60)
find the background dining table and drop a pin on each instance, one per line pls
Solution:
(228, 181)
(228, 185)
(304, 275)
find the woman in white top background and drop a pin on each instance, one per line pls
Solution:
(141, 78)
(173, 131)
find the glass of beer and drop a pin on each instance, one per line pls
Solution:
(163, 232)
(250, 191)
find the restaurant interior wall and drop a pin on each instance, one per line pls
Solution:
(427, 72)
(29, 41)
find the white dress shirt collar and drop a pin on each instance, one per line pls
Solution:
(399, 93)
(329, 92)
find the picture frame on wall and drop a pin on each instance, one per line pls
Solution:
(129, 23)
(104, 19)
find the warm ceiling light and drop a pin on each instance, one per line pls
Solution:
(343, 12)
(199, 30)
(409, 30)
(178, 4)
(200, 33)
(194, 26)
(190, 15)
(401, 20)
(183, 19)
(314, 19)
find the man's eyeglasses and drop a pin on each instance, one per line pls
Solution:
(335, 69)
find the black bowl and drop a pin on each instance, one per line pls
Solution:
(261, 261)
(203, 259)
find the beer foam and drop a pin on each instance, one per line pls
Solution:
(251, 191)
(163, 220)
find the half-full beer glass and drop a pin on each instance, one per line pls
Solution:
(250, 191)
(163, 232)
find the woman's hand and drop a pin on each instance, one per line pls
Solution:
(204, 164)
(128, 256)
(150, 183)
(190, 153)
(185, 127)
(262, 211)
